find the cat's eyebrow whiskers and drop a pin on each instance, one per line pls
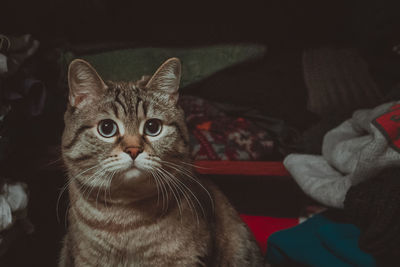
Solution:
(140, 109)
(118, 100)
(115, 110)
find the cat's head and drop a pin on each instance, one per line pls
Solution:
(124, 130)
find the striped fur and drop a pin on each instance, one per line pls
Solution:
(151, 210)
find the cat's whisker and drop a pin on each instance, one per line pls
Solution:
(176, 198)
(66, 186)
(188, 189)
(190, 203)
(164, 176)
(190, 176)
(51, 163)
(183, 184)
(98, 192)
(66, 215)
(88, 188)
(187, 197)
(109, 184)
(162, 182)
(195, 166)
(84, 189)
(86, 170)
(62, 192)
(92, 179)
(162, 188)
(179, 196)
(164, 192)
(59, 198)
(157, 186)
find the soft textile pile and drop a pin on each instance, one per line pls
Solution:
(359, 172)
(353, 152)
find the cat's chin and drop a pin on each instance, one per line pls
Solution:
(133, 173)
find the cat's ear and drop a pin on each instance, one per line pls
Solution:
(85, 85)
(167, 78)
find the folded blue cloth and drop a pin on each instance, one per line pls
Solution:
(318, 242)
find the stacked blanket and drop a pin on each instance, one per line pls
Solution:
(353, 152)
(358, 171)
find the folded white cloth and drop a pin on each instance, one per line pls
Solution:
(353, 152)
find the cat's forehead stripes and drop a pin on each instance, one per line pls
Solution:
(130, 104)
(136, 104)
(124, 97)
(120, 102)
(141, 109)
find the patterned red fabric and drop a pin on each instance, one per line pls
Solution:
(389, 125)
(216, 136)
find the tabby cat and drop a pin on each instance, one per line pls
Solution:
(134, 197)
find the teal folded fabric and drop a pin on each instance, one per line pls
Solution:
(318, 242)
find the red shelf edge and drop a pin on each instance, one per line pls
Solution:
(256, 168)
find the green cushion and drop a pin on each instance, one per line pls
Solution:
(197, 62)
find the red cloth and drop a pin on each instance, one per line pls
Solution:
(389, 124)
(262, 227)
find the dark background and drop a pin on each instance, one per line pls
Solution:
(285, 23)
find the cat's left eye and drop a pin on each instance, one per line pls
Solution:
(152, 127)
(107, 128)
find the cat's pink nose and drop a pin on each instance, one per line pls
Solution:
(133, 151)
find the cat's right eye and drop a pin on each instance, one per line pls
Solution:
(107, 128)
